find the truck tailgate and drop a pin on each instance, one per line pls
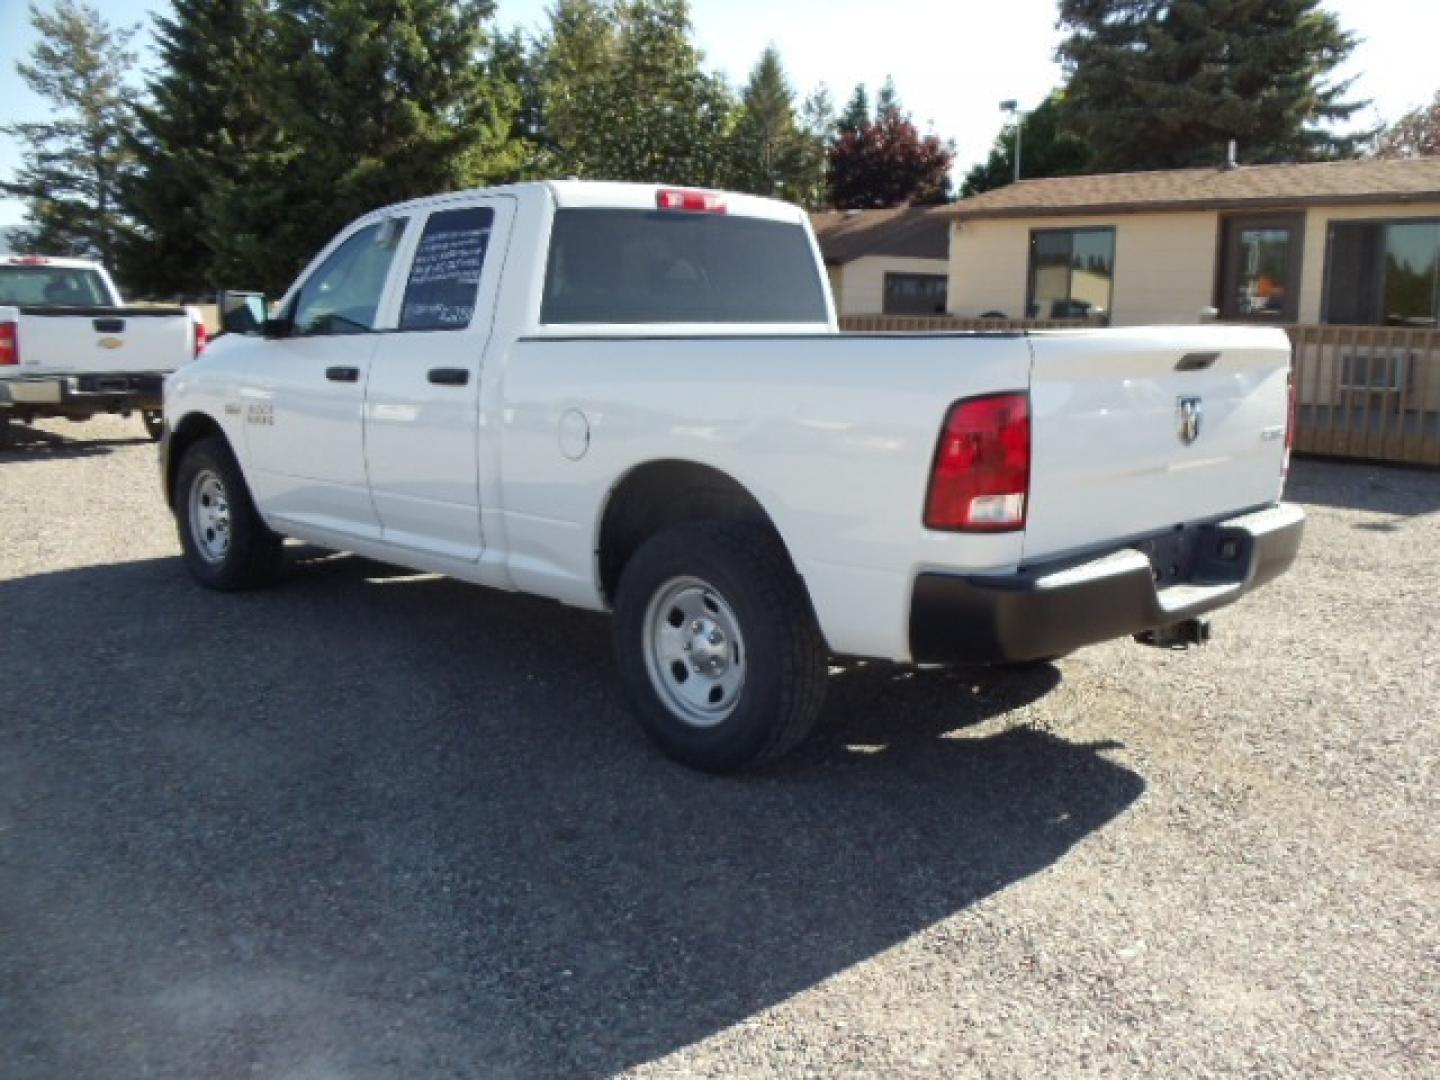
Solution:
(73, 341)
(1136, 431)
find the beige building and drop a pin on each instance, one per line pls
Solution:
(891, 262)
(1353, 242)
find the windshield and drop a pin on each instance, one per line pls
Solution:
(52, 286)
(659, 266)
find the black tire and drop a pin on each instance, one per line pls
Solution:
(154, 421)
(7, 431)
(252, 553)
(784, 656)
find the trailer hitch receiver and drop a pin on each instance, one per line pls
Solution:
(1180, 635)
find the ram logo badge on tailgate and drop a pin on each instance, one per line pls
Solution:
(1191, 412)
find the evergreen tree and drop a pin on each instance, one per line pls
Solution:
(382, 100)
(518, 60)
(575, 61)
(817, 121)
(1045, 150)
(205, 144)
(889, 99)
(886, 162)
(772, 155)
(1158, 84)
(857, 112)
(73, 164)
(625, 97)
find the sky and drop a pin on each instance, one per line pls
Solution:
(953, 61)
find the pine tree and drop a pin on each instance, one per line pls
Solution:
(73, 165)
(625, 97)
(1158, 84)
(384, 100)
(575, 61)
(857, 112)
(817, 121)
(886, 162)
(1046, 149)
(206, 145)
(888, 100)
(772, 155)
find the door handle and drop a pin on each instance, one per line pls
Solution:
(449, 376)
(343, 374)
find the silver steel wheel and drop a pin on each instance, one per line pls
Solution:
(693, 651)
(210, 516)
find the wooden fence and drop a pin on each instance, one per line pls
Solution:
(1369, 392)
(1366, 392)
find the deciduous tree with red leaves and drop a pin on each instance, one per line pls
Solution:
(885, 161)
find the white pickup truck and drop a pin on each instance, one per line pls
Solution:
(70, 347)
(635, 398)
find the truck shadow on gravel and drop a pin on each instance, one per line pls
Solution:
(21, 443)
(1374, 488)
(367, 822)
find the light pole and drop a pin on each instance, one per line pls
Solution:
(1011, 106)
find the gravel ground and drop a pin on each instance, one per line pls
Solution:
(371, 824)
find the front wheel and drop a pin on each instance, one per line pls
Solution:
(154, 421)
(717, 646)
(226, 544)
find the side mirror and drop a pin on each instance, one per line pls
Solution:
(275, 328)
(241, 312)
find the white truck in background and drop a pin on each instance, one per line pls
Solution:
(634, 398)
(69, 346)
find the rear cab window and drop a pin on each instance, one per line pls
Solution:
(52, 286)
(651, 266)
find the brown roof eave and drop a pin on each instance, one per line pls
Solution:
(1177, 205)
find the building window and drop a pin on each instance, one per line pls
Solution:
(1260, 267)
(1072, 274)
(1383, 273)
(914, 294)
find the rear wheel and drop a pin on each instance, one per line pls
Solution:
(154, 421)
(717, 647)
(226, 544)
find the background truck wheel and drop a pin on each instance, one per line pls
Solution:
(226, 544)
(7, 431)
(717, 646)
(154, 421)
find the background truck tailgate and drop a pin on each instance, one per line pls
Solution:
(66, 341)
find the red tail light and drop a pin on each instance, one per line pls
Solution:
(202, 337)
(704, 202)
(981, 478)
(9, 343)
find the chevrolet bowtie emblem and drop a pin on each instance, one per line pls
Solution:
(109, 343)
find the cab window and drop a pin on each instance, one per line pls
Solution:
(343, 294)
(445, 273)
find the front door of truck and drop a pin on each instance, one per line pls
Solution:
(302, 410)
(423, 401)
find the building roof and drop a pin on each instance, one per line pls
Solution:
(918, 232)
(1241, 187)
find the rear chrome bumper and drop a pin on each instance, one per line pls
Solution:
(83, 394)
(1054, 608)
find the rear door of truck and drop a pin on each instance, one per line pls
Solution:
(1136, 431)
